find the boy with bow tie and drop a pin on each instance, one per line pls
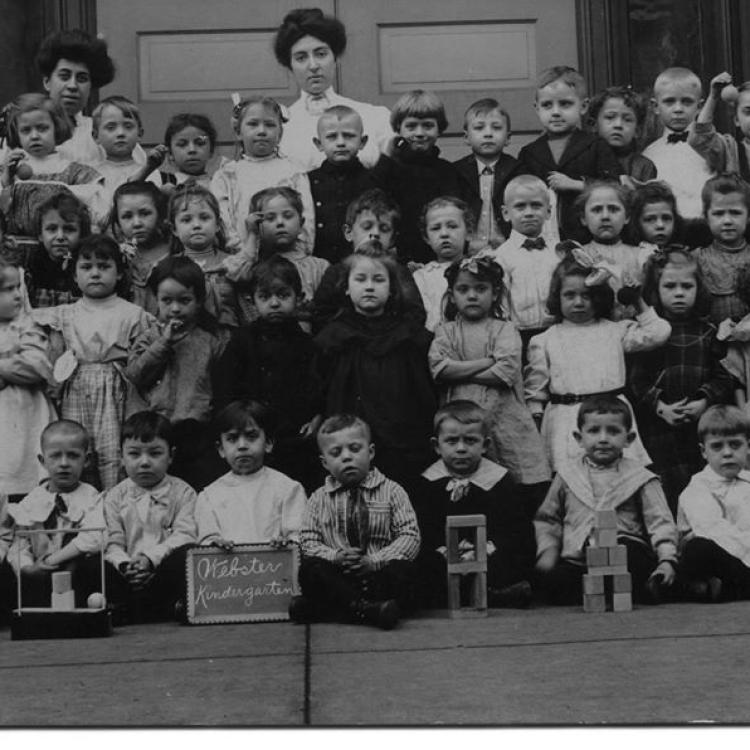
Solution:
(464, 482)
(150, 522)
(61, 501)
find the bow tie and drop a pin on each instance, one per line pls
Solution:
(678, 137)
(537, 244)
(458, 488)
(487, 171)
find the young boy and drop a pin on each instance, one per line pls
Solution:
(526, 257)
(338, 180)
(564, 156)
(62, 501)
(372, 217)
(713, 515)
(602, 479)
(487, 170)
(252, 503)
(150, 522)
(678, 95)
(359, 535)
(726, 204)
(415, 174)
(464, 482)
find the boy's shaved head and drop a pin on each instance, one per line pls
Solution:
(677, 75)
(340, 112)
(525, 182)
(65, 428)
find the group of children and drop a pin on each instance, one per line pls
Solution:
(556, 328)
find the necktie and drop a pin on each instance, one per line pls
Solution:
(537, 244)
(357, 520)
(59, 509)
(458, 488)
(487, 171)
(678, 137)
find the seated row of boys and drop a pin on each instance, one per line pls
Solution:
(370, 550)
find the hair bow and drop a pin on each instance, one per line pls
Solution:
(601, 269)
(479, 264)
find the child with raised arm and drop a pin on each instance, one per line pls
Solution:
(724, 152)
(604, 479)
(359, 535)
(564, 156)
(678, 95)
(339, 179)
(713, 515)
(486, 171)
(726, 205)
(150, 522)
(62, 501)
(252, 503)
(464, 482)
(527, 258)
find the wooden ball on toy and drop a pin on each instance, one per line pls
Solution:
(95, 601)
(730, 94)
(24, 172)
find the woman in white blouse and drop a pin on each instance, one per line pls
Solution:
(309, 43)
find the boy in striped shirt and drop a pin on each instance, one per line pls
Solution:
(359, 535)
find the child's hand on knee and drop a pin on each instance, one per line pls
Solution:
(347, 558)
(664, 572)
(226, 544)
(547, 560)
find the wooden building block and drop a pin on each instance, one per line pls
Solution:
(593, 584)
(622, 602)
(622, 583)
(594, 603)
(605, 537)
(606, 519)
(597, 557)
(607, 570)
(463, 522)
(618, 555)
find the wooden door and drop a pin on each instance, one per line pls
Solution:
(463, 50)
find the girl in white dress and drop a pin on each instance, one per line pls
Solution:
(583, 354)
(24, 370)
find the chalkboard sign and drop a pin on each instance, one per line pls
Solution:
(252, 583)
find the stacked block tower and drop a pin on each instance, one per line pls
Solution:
(607, 563)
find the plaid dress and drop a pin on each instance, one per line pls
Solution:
(687, 366)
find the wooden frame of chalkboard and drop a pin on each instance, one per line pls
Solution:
(251, 583)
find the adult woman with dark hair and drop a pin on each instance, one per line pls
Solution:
(309, 43)
(72, 63)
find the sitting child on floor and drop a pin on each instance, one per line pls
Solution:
(150, 523)
(464, 482)
(359, 535)
(713, 515)
(61, 501)
(252, 503)
(603, 479)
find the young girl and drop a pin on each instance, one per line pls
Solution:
(618, 114)
(373, 362)
(447, 226)
(198, 233)
(654, 219)
(252, 503)
(91, 338)
(258, 124)
(271, 360)
(33, 169)
(583, 354)
(63, 222)
(139, 222)
(415, 174)
(171, 366)
(476, 356)
(278, 213)
(191, 140)
(604, 209)
(24, 370)
(674, 384)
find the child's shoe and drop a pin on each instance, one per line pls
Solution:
(383, 615)
(516, 596)
(302, 610)
(705, 591)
